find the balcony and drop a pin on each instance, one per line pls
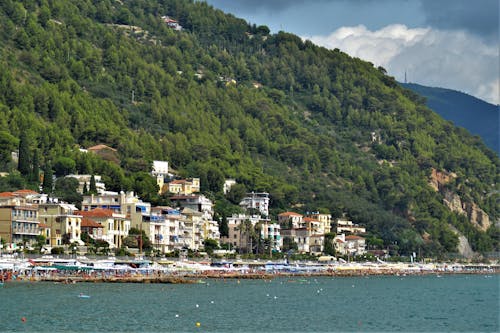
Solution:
(26, 231)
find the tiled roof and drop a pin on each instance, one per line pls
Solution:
(89, 223)
(353, 237)
(310, 219)
(25, 192)
(289, 214)
(97, 212)
(6, 194)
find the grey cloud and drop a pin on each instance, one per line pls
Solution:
(479, 17)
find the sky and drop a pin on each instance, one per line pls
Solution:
(440, 43)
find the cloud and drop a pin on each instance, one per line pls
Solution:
(479, 17)
(449, 59)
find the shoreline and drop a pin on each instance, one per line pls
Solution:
(203, 277)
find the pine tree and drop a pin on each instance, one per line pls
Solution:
(85, 189)
(35, 169)
(92, 187)
(24, 156)
(47, 179)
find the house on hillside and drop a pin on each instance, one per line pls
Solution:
(85, 180)
(291, 220)
(160, 171)
(105, 152)
(184, 186)
(257, 201)
(172, 23)
(348, 226)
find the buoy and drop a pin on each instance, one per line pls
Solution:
(197, 306)
(176, 316)
(212, 302)
(198, 324)
(23, 319)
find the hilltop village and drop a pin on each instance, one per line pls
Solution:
(123, 224)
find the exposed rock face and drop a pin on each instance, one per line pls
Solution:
(475, 214)
(439, 179)
(463, 244)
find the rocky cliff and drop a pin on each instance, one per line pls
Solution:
(453, 201)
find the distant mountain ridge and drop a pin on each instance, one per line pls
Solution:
(477, 116)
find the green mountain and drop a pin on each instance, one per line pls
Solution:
(317, 129)
(475, 115)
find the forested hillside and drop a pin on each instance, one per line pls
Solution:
(315, 128)
(475, 115)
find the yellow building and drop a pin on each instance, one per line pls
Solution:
(63, 222)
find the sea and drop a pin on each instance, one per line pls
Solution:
(432, 303)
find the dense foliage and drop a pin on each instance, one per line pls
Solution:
(315, 128)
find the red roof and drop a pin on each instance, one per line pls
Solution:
(289, 214)
(6, 194)
(25, 192)
(353, 237)
(89, 223)
(42, 225)
(310, 219)
(97, 212)
(178, 181)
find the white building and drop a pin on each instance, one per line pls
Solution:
(160, 172)
(228, 183)
(258, 201)
(84, 180)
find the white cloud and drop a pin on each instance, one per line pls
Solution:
(449, 59)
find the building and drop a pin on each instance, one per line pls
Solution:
(351, 245)
(19, 223)
(123, 203)
(228, 183)
(92, 228)
(115, 225)
(184, 186)
(172, 23)
(349, 227)
(196, 202)
(324, 219)
(63, 223)
(256, 201)
(291, 220)
(163, 227)
(272, 231)
(85, 180)
(105, 152)
(160, 173)
(238, 235)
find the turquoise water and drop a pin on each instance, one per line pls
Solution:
(425, 303)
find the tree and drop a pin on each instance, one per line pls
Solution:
(35, 169)
(66, 188)
(64, 166)
(289, 244)
(24, 165)
(92, 187)
(329, 246)
(8, 144)
(48, 181)
(210, 245)
(237, 193)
